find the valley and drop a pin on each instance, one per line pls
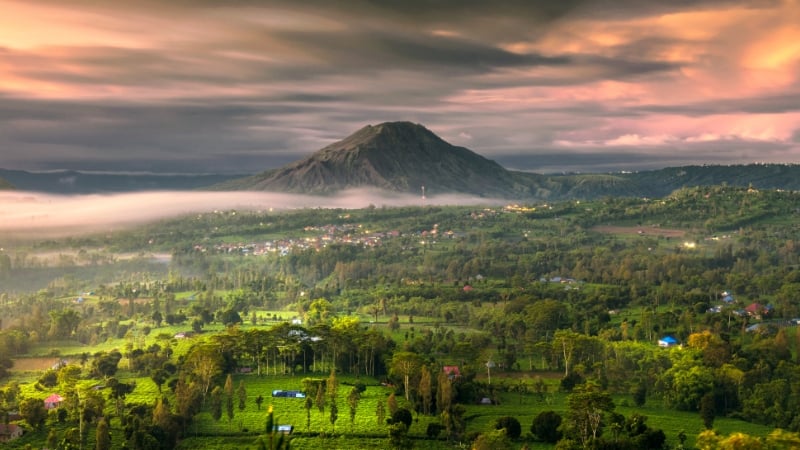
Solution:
(413, 327)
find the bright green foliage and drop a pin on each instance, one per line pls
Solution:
(493, 440)
(687, 380)
(586, 407)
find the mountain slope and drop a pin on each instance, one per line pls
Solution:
(394, 156)
(77, 182)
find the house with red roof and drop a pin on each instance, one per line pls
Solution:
(53, 401)
(451, 371)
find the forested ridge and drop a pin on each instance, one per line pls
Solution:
(566, 300)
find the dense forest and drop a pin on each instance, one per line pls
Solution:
(575, 299)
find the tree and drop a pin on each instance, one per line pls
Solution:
(403, 415)
(188, 399)
(352, 402)
(510, 424)
(106, 364)
(546, 425)
(204, 362)
(118, 393)
(259, 401)
(332, 386)
(393, 323)
(492, 440)
(444, 392)
(391, 403)
(586, 406)
(688, 381)
(216, 403)
(334, 416)
(565, 343)
(320, 398)
(159, 377)
(241, 393)
(640, 394)
(32, 410)
(52, 438)
(318, 311)
(230, 317)
(425, 389)
(380, 413)
(454, 422)
(228, 389)
(307, 405)
(398, 436)
(406, 365)
(102, 435)
(707, 410)
(163, 418)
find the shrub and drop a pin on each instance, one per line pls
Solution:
(640, 394)
(570, 381)
(545, 426)
(402, 415)
(511, 425)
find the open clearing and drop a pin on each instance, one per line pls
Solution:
(30, 364)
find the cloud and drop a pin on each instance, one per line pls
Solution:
(247, 85)
(26, 214)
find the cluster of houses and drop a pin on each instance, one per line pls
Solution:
(329, 234)
(11, 431)
(352, 234)
(754, 310)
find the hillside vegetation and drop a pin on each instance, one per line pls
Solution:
(534, 325)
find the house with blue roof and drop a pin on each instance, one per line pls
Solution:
(667, 341)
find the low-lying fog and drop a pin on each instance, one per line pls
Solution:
(37, 215)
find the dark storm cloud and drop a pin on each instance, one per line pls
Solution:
(770, 104)
(185, 85)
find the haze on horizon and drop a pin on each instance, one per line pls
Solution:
(35, 215)
(239, 87)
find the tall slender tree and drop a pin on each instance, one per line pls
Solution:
(425, 389)
(241, 393)
(216, 403)
(332, 388)
(352, 402)
(229, 398)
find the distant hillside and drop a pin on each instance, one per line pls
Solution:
(76, 182)
(394, 156)
(658, 183)
(5, 185)
(403, 157)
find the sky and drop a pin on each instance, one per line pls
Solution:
(241, 86)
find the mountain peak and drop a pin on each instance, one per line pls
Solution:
(395, 156)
